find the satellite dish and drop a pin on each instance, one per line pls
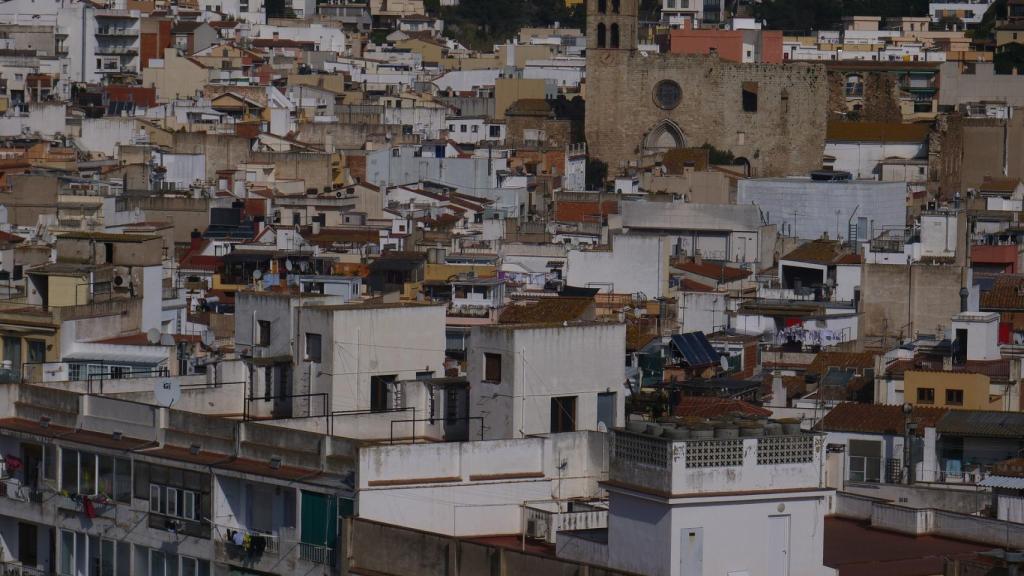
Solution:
(153, 336)
(167, 393)
(208, 338)
(257, 274)
(288, 264)
(724, 362)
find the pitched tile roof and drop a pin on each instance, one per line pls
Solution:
(712, 407)
(878, 418)
(584, 211)
(717, 272)
(1007, 293)
(823, 252)
(982, 423)
(842, 360)
(562, 309)
(688, 285)
(876, 132)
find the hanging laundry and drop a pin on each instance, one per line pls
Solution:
(12, 462)
(88, 508)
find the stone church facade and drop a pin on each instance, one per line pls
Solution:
(772, 117)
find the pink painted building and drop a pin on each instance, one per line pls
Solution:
(760, 46)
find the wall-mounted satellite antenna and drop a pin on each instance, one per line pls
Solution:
(153, 336)
(167, 393)
(288, 264)
(724, 360)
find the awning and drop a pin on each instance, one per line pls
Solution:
(156, 356)
(1011, 482)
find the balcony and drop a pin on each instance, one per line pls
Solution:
(279, 553)
(548, 518)
(19, 569)
(116, 50)
(117, 32)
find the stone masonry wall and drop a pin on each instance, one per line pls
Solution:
(786, 134)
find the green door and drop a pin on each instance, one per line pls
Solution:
(319, 519)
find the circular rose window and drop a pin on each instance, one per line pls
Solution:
(667, 94)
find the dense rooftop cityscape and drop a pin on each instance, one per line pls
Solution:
(511, 287)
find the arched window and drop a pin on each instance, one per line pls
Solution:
(602, 6)
(615, 36)
(615, 6)
(600, 36)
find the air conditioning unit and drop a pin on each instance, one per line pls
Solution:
(122, 279)
(537, 528)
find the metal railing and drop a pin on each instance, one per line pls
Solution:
(316, 554)
(19, 569)
(440, 420)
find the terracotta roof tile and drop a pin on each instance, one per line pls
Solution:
(1006, 294)
(716, 272)
(546, 310)
(711, 407)
(842, 360)
(877, 418)
(823, 252)
(584, 211)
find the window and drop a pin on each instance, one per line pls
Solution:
(36, 351)
(475, 129)
(602, 6)
(926, 395)
(667, 94)
(614, 36)
(600, 35)
(495, 131)
(155, 493)
(172, 501)
(563, 414)
(76, 371)
(313, 347)
(492, 367)
(380, 393)
(67, 553)
(854, 86)
(750, 96)
(954, 397)
(263, 332)
(462, 128)
(615, 7)
(865, 461)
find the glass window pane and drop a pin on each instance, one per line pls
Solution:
(123, 480)
(107, 558)
(87, 472)
(154, 498)
(106, 475)
(188, 566)
(67, 553)
(172, 502)
(156, 563)
(69, 470)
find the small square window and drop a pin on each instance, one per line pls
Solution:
(926, 395)
(954, 397)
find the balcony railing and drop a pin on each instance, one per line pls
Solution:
(19, 569)
(316, 554)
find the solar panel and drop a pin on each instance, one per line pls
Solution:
(695, 348)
